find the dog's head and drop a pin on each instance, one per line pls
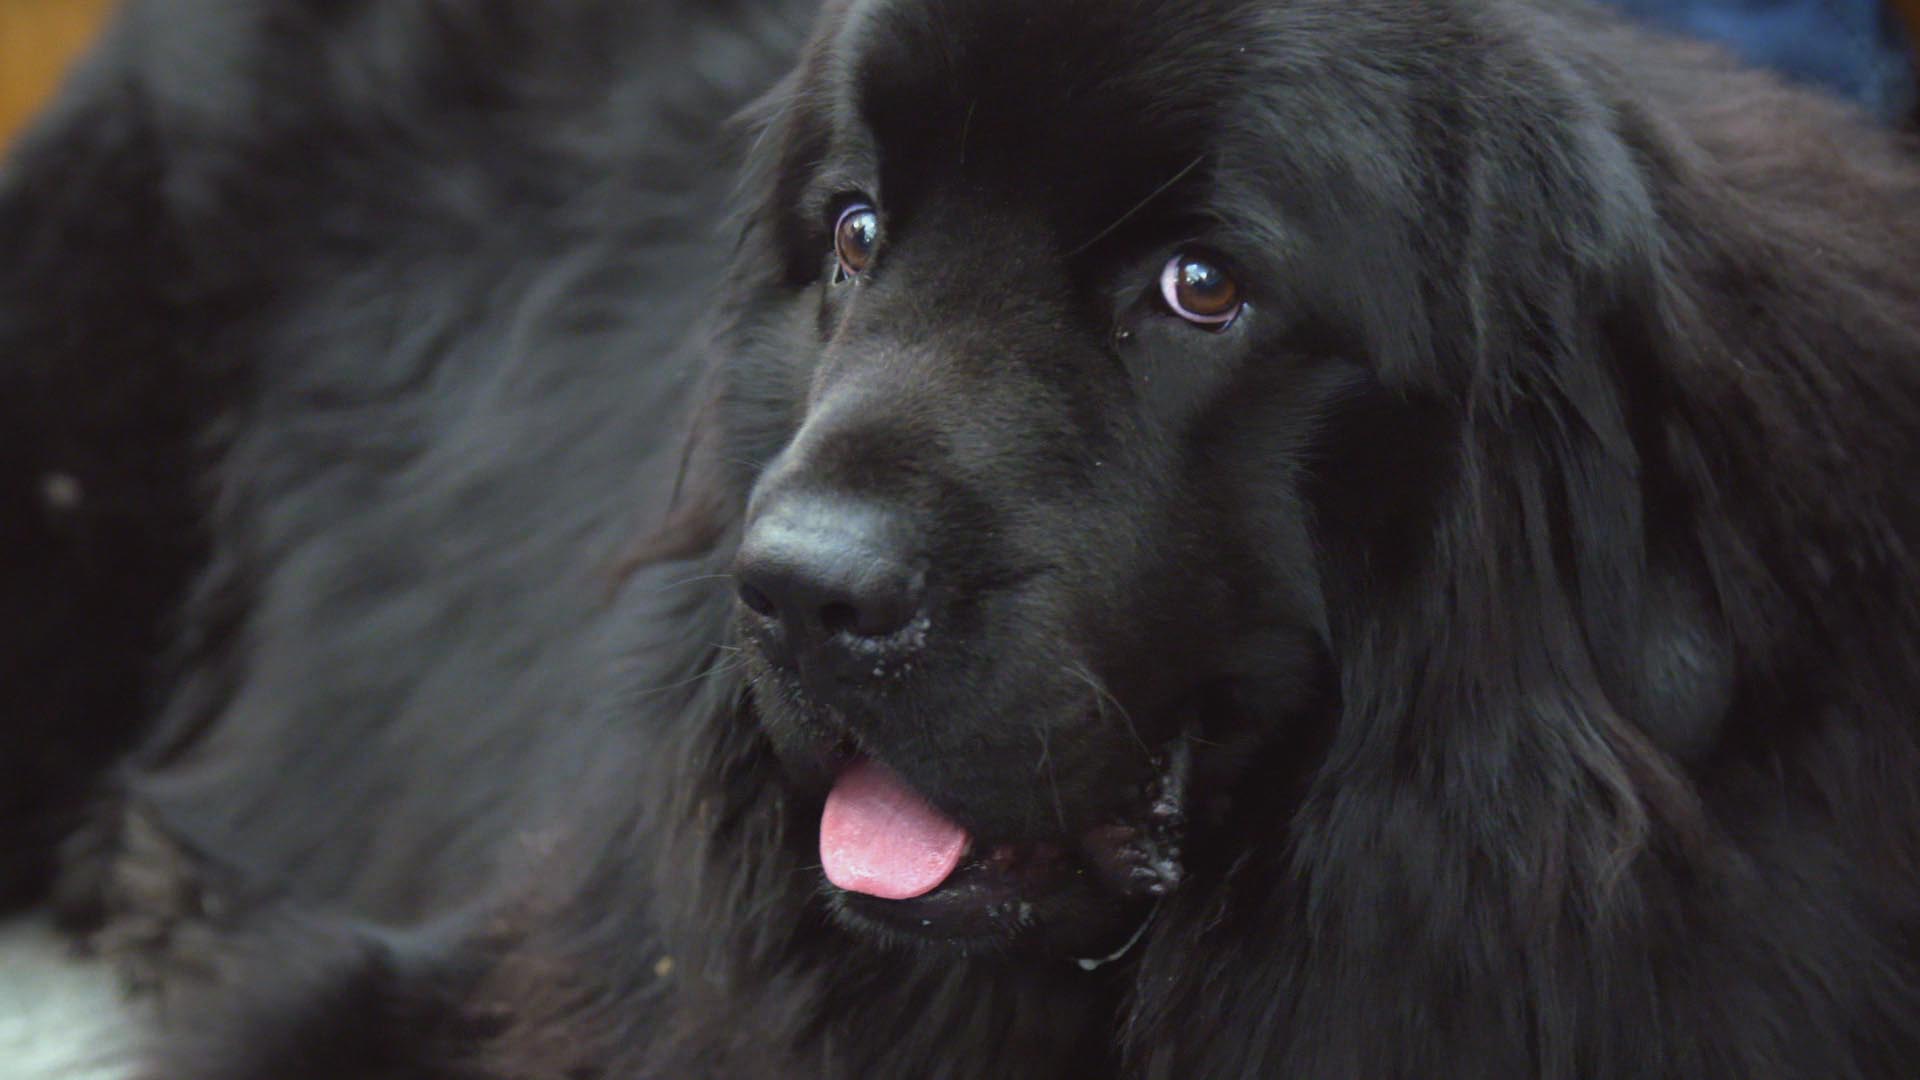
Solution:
(1118, 355)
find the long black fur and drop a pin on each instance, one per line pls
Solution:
(386, 383)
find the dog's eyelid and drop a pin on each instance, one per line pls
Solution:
(833, 207)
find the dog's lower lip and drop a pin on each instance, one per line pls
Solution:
(981, 907)
(990, 896)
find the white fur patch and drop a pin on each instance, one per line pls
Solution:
(61, 1017)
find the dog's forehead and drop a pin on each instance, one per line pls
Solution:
(1087, 100)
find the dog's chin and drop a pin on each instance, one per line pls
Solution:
(1052, 908)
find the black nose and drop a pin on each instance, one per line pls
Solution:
(828, 576)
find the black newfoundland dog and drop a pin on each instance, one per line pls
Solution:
(666, 538)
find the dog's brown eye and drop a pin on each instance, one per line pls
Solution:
(855, 237)
(1200, 291)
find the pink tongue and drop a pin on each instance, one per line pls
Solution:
(879, 837)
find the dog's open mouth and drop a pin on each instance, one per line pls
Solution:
(899, 865)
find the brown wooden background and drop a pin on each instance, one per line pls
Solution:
(38, 39)
(1910, 11)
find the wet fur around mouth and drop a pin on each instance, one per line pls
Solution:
(1528, 569)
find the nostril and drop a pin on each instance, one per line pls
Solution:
(879, 610)
(757, 602)
(841, 618)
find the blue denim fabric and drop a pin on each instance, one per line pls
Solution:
(1856, 48)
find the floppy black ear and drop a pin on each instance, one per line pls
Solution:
(1534, 627)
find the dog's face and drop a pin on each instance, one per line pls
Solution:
(1030, 580)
